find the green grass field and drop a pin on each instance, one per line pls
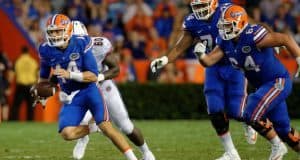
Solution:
(169, 140)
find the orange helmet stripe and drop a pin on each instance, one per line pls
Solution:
(53, 19)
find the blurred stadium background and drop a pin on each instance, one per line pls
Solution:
(140, 30)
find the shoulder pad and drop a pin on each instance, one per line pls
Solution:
(101, 44)
(189, 21)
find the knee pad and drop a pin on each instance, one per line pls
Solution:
(126, 126)
(262, 126)
(293, 140)
(220, 122)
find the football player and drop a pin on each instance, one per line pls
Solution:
(108, 68)
(224, 87)
(249, 48)
(75, 66)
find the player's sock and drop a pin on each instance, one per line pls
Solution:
(129, 154)
(144, 148)
(93, 127)
(275, 140)
(227, 142)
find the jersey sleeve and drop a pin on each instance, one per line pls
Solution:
(187, 24)
(257, 33)
(45, 68)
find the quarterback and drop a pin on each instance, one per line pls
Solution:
(73, 63)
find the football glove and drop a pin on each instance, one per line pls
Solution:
(158, 63)
(298, 69)
(200, 49)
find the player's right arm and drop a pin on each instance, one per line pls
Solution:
(113, 68)
(183, 43)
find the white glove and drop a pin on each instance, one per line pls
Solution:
(298, 70)
(158, 63)
(200, 49)
(101, 77)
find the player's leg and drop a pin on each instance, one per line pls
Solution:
(69, 120)
(119, 116)
(236, 96)
(81, 144)
(259, 105)
(214, 94)
(100, 113)
(281, 123)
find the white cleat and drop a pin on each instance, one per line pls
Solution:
(233, 155)
(79, 149)
(278, 151)
(148, 156)
(250, 134)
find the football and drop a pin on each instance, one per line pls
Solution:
(43, 89)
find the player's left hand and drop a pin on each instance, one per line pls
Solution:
(200, 49)
(298, 69)
(62, 73)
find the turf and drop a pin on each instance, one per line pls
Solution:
(169, 140)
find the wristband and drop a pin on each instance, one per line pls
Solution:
(77, 76)
(101, 77)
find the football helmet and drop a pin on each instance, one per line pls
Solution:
(58, 30)
(232, 22)
(79, 28)
(203, 9)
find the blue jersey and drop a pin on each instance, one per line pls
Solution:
(205, 30)
(77, 57)
(260, 65)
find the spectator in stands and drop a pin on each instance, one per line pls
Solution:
(36, 34)
(26, 68)
(156, 46)
(5, 79)
(127, 70)
(136, 7)
(141, 23)
(269, 8)
(136, 44)
(94, 30)
(110, 30)
(164, 16)
(283, 20)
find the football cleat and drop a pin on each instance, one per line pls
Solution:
(250, 134)
(79, 149)
(278, 151)
(148, 156)
(232, 155)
